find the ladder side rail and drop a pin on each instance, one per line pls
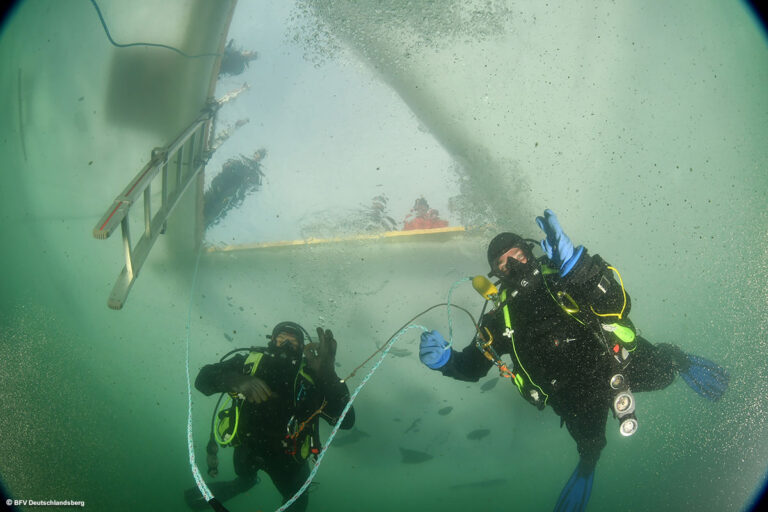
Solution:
(154, 224)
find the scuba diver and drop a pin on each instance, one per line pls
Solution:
(277, 395)
(376, 217)
(234, 61)
(563, 320)
(239, 177)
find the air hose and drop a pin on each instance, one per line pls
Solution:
(384, 350)
(155, 45)
(204, 490)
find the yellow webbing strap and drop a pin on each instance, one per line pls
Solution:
(623, 292)
(518, 378)
(255, 358)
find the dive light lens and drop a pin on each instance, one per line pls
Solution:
(623, 404)
(628, 426)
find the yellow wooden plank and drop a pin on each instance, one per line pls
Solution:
(386, 235)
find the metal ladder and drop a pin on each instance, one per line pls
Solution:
(179, 162)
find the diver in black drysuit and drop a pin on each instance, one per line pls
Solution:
(563, 357)
(279, 387)
(563, 320)
(234, 61)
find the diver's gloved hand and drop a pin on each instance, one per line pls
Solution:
(433, 350)
(252, 388)
(557, 246)
(321, 356)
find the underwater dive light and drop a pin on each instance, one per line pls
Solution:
(623, 404)
(617, 381)
(628, 426)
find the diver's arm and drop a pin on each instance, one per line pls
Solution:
(220, 377)
(321, 362)
(336, 394)
(468, 365)
(587, 279)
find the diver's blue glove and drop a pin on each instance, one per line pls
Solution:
(557, 246)
(433, 350)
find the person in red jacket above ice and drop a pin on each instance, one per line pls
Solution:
(423, 217)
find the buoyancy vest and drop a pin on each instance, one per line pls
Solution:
(613, 330)
(302, 433)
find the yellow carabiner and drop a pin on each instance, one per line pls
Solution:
(572, 310)
(490, 338)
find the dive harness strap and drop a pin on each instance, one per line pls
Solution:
(490, 353)
(624, 339)
(484, 342)
(525, 385)
(528, 389)
(623, 342)
(303, 444)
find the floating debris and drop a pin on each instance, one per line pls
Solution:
(229, 338)
(397, 352)
(478, 434)
(489, 385)
(413, 425)
(400, 352)
(351, 437)
(413, 456)
(445, 411)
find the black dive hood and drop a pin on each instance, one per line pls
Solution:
(521, 275)
(289, 328)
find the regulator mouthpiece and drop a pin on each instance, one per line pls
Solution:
(484, 287)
